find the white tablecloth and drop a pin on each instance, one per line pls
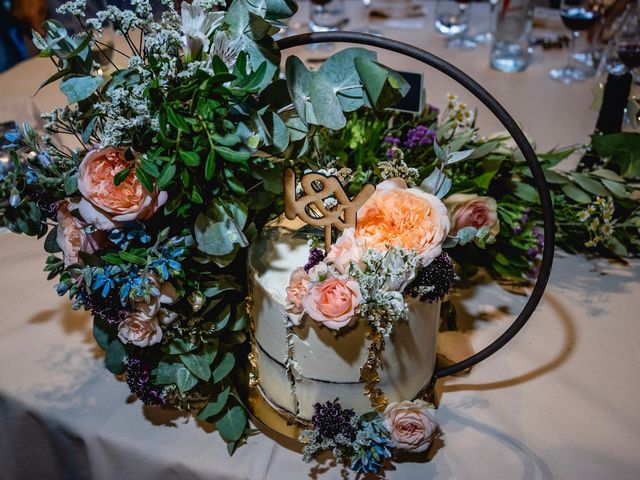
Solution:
(560, 401)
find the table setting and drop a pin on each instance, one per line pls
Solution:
(321, 239)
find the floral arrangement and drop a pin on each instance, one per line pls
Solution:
(154, 178)
(174, 165)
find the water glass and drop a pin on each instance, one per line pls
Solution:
(327, 15)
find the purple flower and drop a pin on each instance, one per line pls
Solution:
(315, 257)
(390, 139)
(420, 135)
(139, 368)
(439, 274)
(330, 419)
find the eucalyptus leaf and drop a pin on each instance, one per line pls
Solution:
(80, 88)
(589, 184)
(224, 367)
(575, 193)
(231, 426)
(299, 85)
(326, 106)
(116, 357)
(215, 407)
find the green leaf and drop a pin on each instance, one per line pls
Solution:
(80, 88)
(70, 183)
(608, 174)
(190, 159)
(383, 86)
(279, 133)
(231, 426)
(340, 71)
(215, 407)
(197, 364)
(116, 357)
(526, 192)
(623, 150)
(615, 188)
(589, 184)
(51, 242)
(575, 193)
(167, 174)
(178, 346)
(221, 283)
(326, 106)
(176, 120)
(185, 380)
(455, 157)
(225, 367)
(210, 166)
(483, 150)
(131, 258)
(121, 176)
(231, 155)
(86, 134)
(617, 247)
(100, 333)
(299, 86)
(554, 177)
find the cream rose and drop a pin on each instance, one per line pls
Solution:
(404, 217)
(298, 287)
(71, 235)
(333, 302)
(166, 295)
(470, 210)
(106, 205)
(346, 250)
(410, 424)
(140, 330)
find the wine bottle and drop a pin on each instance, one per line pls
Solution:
(611, 116)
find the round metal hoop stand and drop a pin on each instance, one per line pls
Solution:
(521, 141)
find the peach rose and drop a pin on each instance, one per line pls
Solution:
(106, 205)
(470, 210)
(346, 250)
(140, 330)
(298, 287)
(165, 295)
(404, 217)
(410, 424)
(333, 302)
(71, 235)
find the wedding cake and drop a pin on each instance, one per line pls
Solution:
(303, 365)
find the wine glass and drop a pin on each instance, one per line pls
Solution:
(576, 16)
(452, 20)
(487, 36)
(327, 15)
(367, 15)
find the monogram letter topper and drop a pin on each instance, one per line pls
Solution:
(310, 207)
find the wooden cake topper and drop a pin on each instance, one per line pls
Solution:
(310, 207)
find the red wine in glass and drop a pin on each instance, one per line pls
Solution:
(320, 2)
(578, 18)
(630, 55)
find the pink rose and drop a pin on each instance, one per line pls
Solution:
(470, 210)
(346, 250)
(297, 289)
(106, 205)
(403, 217)
(140, 330)
(333, 302)
(410, 424)
(71, 235)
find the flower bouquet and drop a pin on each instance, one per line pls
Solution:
(174, 168)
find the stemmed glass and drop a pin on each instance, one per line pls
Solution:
(487, 37)
(576, 16)
(326, 16)
(367, 15)
(452, 19)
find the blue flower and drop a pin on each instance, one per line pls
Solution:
(31, 177)
(14, 199)
(371, 458)
(44, 159)
(168, 263)
(102, 281)
(124, 235)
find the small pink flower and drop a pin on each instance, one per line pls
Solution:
(71, 235)
(333, 302)
(140, 330)
(297, 289)
(411, 425)
(470, 210)
(106, 205)
(347, 250)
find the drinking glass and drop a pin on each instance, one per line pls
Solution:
(576, 16)
(367, 16)
(452, 20)
(327, 15)
(487, 36)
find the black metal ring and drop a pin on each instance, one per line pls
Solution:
(511, 126)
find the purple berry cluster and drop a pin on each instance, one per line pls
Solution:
(315, 257)
(139, 380)
(330, 419)
(46, 205)
(439, 274)
(108, 308)
(420, 135)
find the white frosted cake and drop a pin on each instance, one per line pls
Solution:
(325, 364)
